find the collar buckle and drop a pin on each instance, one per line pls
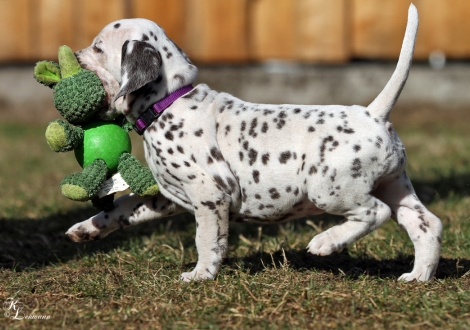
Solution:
(145, 120)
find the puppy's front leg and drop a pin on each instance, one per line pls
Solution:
(211, 238)
(129, 210)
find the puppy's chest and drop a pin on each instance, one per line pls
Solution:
(167, 151)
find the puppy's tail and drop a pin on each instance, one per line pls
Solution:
(384, 102)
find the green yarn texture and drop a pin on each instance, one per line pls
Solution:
(68, 63)
(127, 126)
(47, 73)
(63, 137)
(86, 184)
(79, 97)
(138, 177)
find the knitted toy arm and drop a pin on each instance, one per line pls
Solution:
(138, 177)
(62, 136)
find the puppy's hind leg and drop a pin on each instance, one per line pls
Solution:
(423, 227)
(363, 215)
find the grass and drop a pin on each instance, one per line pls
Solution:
(130, 279)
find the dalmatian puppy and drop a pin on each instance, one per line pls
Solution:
(223, 159)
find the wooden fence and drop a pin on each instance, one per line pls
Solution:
(214, 31)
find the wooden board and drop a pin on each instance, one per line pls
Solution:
(54, 28)
(306, 30)
(377, 28)
(322, 31)
(272, 29)
(170, 15)
(93, 16)
(445, 26)
(15, 30)
(216, 31)
(243, 30)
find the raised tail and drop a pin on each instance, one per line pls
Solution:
(384, 102)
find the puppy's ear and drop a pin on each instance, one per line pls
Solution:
(140, 64)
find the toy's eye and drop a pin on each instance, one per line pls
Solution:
(96, 49)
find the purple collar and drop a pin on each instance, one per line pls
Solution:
(156, 110)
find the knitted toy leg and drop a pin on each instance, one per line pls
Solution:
(138, 177)
(86, 184)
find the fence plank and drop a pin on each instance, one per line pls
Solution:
(242, 30)
(272, 29)
(55, 27)
(15, 29)
(170, 15)
(216, 30)
(308, 30)
(377, 27)
(321, 31)
(444, 25)
(93, 15)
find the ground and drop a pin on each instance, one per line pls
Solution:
(130, 279)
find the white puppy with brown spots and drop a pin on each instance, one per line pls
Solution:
(223, 159)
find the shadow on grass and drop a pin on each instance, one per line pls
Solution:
(444, 187)
(36, 243)
(343, 264)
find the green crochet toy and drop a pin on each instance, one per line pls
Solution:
(102, 148)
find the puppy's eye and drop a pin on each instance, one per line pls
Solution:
(96, 49)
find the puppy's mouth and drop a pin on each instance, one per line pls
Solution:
(111, 86)
(98, 72)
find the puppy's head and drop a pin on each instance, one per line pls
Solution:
(138, 65)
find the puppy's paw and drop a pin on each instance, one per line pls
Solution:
(323, 244)
(414, 276)
(83, 232)
(197, 275)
